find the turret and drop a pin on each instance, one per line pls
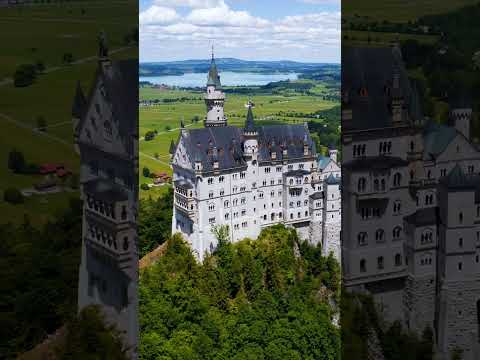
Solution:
(250, 133)
(333, 153)
(460, 114)
(214, 98)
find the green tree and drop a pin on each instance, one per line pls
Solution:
(16, 161)
(146, 172)
(13, 196)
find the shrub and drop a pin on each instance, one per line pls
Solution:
(16, 161)
(13, 196)
(24, 75)
(144, 187)
(149, 135)
(146, 172)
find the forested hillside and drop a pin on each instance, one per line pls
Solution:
(269, 298)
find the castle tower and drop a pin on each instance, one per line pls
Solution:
(250, 132)
(108, 273)
(333, 154)
(461, 114)
(332, 217)
(214, 98)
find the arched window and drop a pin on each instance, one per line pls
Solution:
(363, 265)
(397, 178)
(380, 263)
(427, 237)
(398, 260)
(362, 183)
(397, 207)
(376, 185)
(383, 184)
(380, 235)
(460, 217)
(362, 238)
(396, 232)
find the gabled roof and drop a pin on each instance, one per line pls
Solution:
(323, 161)
(120, 80)
(332, 180)
(436, 138)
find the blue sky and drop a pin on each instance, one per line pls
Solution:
(300, 30)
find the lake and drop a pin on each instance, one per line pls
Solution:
(228, 78)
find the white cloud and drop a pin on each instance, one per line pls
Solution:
(310, 37)
(196, 4)
(222, 15)
(158, 15)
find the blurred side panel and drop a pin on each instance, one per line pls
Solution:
(411, 161)
(68, 179)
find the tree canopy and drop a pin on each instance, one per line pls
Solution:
(255, 299)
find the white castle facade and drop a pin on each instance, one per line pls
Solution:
(252, 178)
(411, 203)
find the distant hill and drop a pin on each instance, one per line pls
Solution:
(235, 65)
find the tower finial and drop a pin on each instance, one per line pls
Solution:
(213, 53)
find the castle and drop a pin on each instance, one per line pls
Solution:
(252, 178)
(106, 137)
(411, 202)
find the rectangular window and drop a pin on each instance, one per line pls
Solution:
(211, 221)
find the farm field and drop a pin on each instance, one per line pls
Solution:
(44, 32)
(165, 118)
(400, 10)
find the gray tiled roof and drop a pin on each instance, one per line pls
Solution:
(213, 77)
(317, 196)
(457, 180)
(423, 217)
(121, 90)
(224, 142)
(297, 173)
(277, 137)
(436, 139)
(121, 85)
(249, 122)
(332, 180)
(373, 69)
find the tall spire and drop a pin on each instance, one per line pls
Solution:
(249, 122)
(213, 77)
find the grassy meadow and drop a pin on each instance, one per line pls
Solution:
(165, 118)
(400, 10)
(45, 32)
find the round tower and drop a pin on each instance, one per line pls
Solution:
(214, 98)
